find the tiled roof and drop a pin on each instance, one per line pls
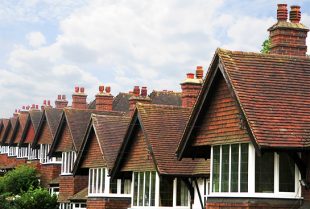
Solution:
(78, 121)
(11, 130)
(162, 127)
(5, 123)
(35, 116)
(81, 195)
(53, 116)
(121, 102)
(166, 98)
(110, 132)
(22, 119)
(272, 92)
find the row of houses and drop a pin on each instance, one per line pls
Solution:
(237, 137)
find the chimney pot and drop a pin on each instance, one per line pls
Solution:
(136, 91)
(64, 97)
(59, 97)
(108, 89)
(144, 91)
(76, 89)
(101, 89)
(49, 103)
(190, 75)
(295, 14)
(82, 90)
(37, 107)
(44, 102)
(16, 110)
(282, 12)
(23, 107)
(199, 72)
(28, 107)
(33, 106)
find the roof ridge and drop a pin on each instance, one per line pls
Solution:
(162, 106)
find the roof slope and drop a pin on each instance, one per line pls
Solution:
(272, 92)
(5, 123)
(163, 126)
(11, 131)
(33, 119)
(22, 120)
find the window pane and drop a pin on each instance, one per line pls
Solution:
(141, 189)
(113, 186)
(234, 168)
(126, 185)
(244, 168)
(264, 173)
(225, 168)
(216, 169)
(166, 191)
(103, 176)
(135, 189)
(182, 193)
(90, 181)
(153, 183)
(147, 189)
(286, 173)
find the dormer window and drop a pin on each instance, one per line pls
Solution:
(43, 155)
(67, 162)
(22, 152)
(33, 154)
(12, 152)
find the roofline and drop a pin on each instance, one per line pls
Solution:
(39, 130)
(56, 137)
(9, 126)
(24, 134)
(17, 125)
(80, 153)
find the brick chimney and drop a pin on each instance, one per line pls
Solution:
(104, 99)
(46, 103)
(79, 98)
(61, 102)
(288, 37)
(137, 97)
(15, 114)
(191, 87)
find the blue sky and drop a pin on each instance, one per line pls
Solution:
(48, 47)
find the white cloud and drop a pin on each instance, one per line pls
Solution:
(35, 39)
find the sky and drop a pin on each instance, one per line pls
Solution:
(50, 46)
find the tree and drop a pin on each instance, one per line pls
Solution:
(266, 47)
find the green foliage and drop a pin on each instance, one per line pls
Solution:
(35, 199)
(266, 47)
(19, 180)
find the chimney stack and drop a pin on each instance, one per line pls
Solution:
(79, 98)
(288, 38)
(104, 99)
(15, 114)
(61, 102)
(137, 97)
(191, 87)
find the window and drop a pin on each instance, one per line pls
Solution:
(286, 173)
(32, 153)
(100, 184)
(22, 152)
(79, 206)
(144, 188)
(43, 152)
(4, 149)
(264, 173)
(54, 190)
(172, 191)
(230, 168)
(67, 162)
(12, 151)
(65, 206)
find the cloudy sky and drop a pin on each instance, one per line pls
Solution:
(50, 46)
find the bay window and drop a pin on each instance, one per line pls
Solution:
(79, 205)
(4, 149)
(33, 154)
(172, 192)
(65, 206)
(43, 155)
(237, 170)
(100, 184)
(22, 152)
(12, 151)
(67, 162)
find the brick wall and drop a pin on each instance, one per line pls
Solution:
(65, 140)
(48, 173)
(69, 185)
(30, 134)
(108, 203)
(46, 136)
(190, 93)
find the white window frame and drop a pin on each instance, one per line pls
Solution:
(43, 155)
(54, 190)
(22, 152)
(251, 180)
(96, 190)
(4, 149)
(79, 205)
(33, 154)
(157, 194)
(65, 206)
(67, 162)
(12, 151)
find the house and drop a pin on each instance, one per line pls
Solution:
(104, 135)
(68, 140)
(27, 137)
(43, 139)
(147, 154)
(252, 119)
(12, 150)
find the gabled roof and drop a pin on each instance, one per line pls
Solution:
(77, 121)
(19, 127)
(109, 131)
(4, 130)
(11, 131)
(52, 117)
(166, 98)
(33, 120)
(272, 93)
(162, 127)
